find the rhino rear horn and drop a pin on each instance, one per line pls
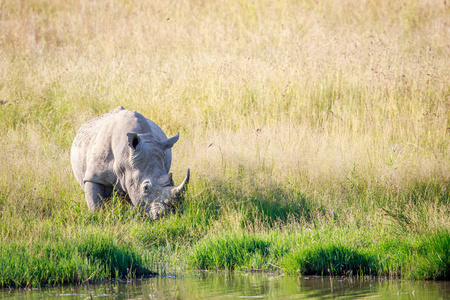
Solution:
(167, 144)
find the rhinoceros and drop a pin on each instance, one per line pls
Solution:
(124, 151)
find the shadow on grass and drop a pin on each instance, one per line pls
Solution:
(256, 206)
(269, 203)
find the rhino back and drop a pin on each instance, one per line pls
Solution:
(92, 140)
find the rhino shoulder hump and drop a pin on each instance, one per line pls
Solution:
(117, 109)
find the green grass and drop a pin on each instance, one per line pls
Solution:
(89, 257)
(233, 251)
(327, 251)
(222, 230)
(317, 135)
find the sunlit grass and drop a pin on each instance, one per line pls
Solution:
(294, 117)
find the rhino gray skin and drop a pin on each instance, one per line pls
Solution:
(125, 151)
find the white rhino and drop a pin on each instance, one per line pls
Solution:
(125, 151)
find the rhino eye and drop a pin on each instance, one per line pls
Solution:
(146, 189)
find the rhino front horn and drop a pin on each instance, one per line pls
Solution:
(176, 191)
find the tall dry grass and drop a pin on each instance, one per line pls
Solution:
(346, 103)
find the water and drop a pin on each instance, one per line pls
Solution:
(242, 286)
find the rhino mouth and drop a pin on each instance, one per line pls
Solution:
(168, 199)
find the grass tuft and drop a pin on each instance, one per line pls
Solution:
(229, 252)
(91, 257)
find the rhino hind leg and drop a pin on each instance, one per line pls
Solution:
(95, 193)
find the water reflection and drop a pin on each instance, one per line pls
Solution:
(242, 286)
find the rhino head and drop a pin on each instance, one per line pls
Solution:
(146, 178)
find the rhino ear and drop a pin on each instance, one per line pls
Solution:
(167, 144)
(133, 140)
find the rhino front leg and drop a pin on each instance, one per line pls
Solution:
(94, 193)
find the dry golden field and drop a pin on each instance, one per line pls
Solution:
(344, 102)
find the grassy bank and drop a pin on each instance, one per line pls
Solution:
(317, 135)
